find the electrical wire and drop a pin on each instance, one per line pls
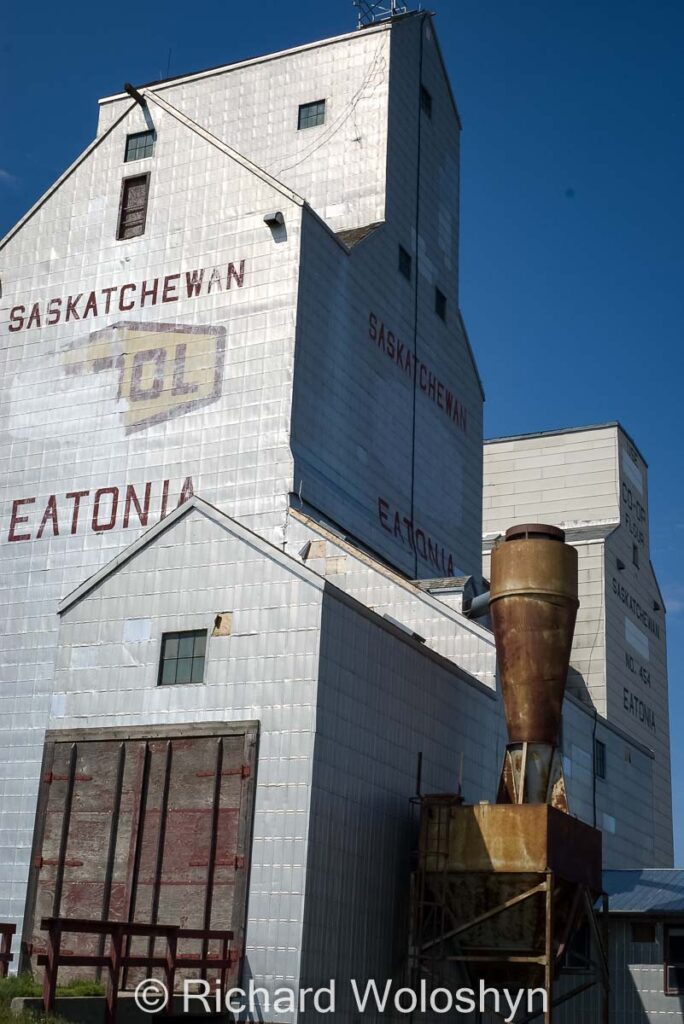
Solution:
(376, 68)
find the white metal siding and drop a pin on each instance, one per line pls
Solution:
(265, 670)
(339, 166)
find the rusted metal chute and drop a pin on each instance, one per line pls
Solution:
(533, 606)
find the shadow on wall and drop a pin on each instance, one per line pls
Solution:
(577, 686)
(363, 830)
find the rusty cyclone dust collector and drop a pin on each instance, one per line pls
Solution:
(500, 889)
(533, 605)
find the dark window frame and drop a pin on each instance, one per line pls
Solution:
(635, 555)
(405, 263)
(426, 101)
(149, 134)
(669, 964)
(304, 122)
(577, 955)
(180, 634)
(125, 183)
(600, 757)
(440, 304)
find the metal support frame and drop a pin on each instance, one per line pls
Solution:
(436, 947)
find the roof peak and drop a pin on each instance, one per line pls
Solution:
(218, 69)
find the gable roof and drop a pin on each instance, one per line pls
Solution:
(261, 58)
(81, 158)
(197, 129)
(645, 891)
(288, 562)
(193, 504)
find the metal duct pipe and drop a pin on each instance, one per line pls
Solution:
(478, 607)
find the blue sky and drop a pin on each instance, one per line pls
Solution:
(572, 262)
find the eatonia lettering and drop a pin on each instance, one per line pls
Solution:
(635, 608)
(189, 284)
(410, 535)
(96, 510)
(637, 709)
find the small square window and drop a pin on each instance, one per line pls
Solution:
(599, 759)
(425, 101)
(139, 145)
(440, 304)
(182, 657)
(643, 931)
(311, 114)
(133, 206)
(404, 263)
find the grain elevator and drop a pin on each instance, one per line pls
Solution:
(242, 528)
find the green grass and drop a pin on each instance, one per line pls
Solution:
(24, 985)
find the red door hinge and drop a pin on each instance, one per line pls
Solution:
(53, 862)
(244, 771)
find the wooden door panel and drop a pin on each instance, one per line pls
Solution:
(143, 828)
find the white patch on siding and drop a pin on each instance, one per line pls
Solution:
(58, 705)
(86, 656)
(135, 631)
(633, 472)
(636, 639)
(608, 823)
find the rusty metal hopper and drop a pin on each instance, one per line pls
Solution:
(510, 884)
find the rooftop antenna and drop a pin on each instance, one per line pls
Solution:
(370, 11)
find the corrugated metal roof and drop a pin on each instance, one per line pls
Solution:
(645, 891)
